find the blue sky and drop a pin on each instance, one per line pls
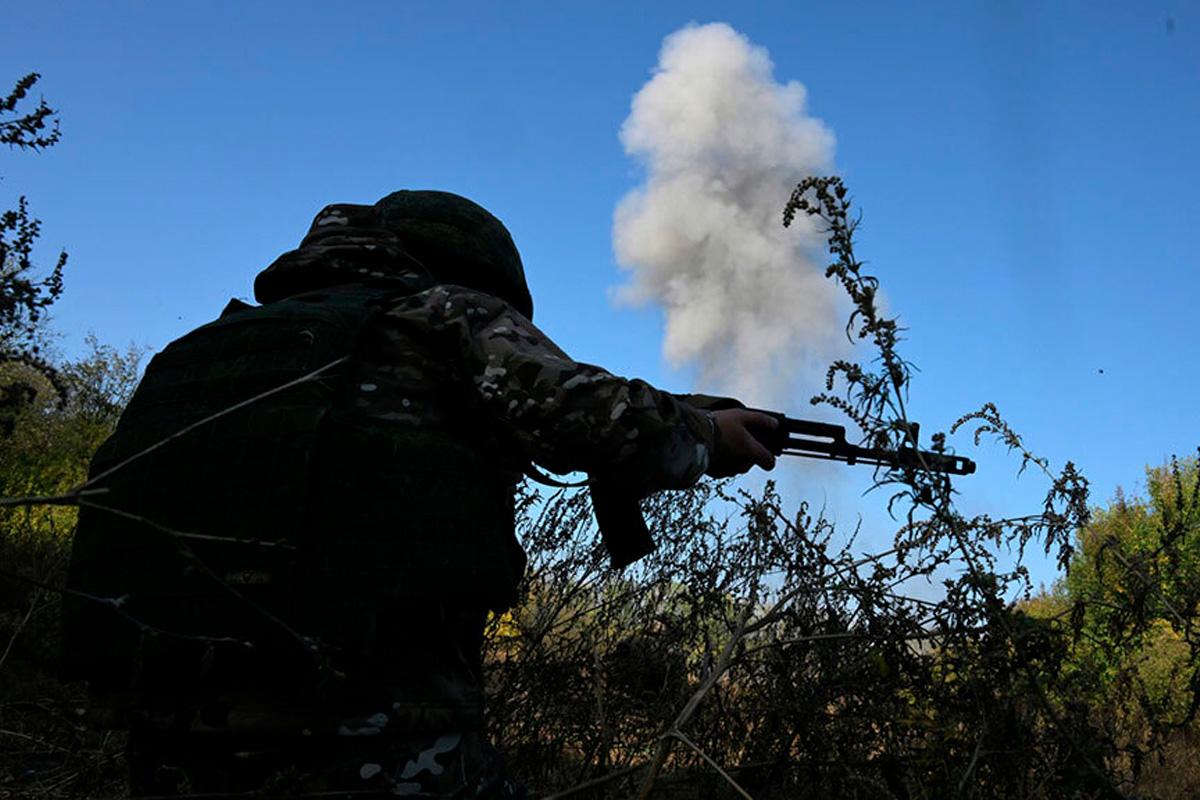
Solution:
(1027, 174)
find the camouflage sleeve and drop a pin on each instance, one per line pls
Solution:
(563, 414)
(708, 402)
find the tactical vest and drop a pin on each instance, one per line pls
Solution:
(308, 518)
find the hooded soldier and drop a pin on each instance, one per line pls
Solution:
(309, 509)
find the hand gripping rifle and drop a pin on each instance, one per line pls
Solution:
(624, 530)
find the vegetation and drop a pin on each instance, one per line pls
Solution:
(756, 653)
(52, 418)
(45, 749)
(23, 298)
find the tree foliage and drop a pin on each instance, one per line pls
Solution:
(1134, 591)
(24, 297)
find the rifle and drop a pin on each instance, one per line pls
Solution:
(624, 530)
(802, 437)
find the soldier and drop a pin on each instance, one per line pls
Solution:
(309, 510)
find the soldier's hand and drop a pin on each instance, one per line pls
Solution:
(737, 447)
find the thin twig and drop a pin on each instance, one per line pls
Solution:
(273, 621)
(974, 758)
(116, 603)
(683, 738)
(282, 545)
(35, 740)
(71, 498)
(12, 640)
(212, 417)
(592, 784)
(719, 668)
(820, 637)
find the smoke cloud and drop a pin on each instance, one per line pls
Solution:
(723, 144)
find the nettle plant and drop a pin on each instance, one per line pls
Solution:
(754, 654)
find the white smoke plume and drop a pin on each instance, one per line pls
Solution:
(723, 144)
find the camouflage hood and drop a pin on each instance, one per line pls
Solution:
(345, 244)
(435, 233)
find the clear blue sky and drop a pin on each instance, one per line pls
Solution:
(1027, 173)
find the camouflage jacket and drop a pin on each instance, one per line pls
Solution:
(450, 351)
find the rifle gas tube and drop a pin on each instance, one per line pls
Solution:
(802, 437)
